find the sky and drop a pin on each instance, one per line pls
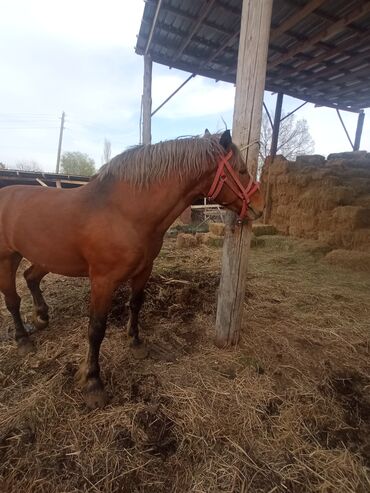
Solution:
(78, 57)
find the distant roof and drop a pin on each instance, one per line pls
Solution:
(319, 50)
(18, 177)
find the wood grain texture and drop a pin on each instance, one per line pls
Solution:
(250, 82)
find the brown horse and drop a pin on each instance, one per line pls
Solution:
(112, 229)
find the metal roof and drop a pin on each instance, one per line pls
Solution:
(319, 50)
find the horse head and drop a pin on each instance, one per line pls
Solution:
(232, 186)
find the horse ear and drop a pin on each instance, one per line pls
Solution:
(225, 139)
(207, 133)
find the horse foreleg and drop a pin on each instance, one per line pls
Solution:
(88, 376)
(33, 276)
(138, 284)
(8, 270)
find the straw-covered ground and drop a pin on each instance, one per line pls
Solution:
(286, 411)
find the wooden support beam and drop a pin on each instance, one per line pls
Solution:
(250, 83)
(147, 101)
(268, 116)
(293, 111)
(323, 34)
(43, 184)
(173, 93)
(58, 183)
(360, 125)
(276, 127)
(295, 18)
(345, 128)
(273, 150)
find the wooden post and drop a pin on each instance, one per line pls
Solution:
(273, 150)
(60, 142)
(275, 130)
(250, 83)
(360, 124)
(147, 101)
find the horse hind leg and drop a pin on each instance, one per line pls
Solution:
(8, 270)
(138, 283)
(33, 276)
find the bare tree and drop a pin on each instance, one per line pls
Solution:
(294, 137)
(28, 166)
(107, 150)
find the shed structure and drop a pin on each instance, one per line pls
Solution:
(316, 50)
(17, 177)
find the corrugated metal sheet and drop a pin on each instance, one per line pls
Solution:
(323, 58)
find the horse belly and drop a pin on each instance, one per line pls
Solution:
(50, 244)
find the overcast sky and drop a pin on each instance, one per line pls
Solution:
(78, 56)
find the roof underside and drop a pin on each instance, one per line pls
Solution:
(319, 50)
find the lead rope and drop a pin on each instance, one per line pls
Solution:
(243, 148)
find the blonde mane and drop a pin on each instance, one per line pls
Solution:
(144, 164)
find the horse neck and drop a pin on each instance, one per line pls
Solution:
(157, 206)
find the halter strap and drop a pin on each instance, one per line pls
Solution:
(221, 179)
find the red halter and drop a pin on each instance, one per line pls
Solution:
(221, 179)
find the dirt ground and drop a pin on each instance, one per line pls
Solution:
(288, 410)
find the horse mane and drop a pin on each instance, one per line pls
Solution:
(142, 165)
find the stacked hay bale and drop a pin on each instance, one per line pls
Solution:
(215, 237)
(326, 200)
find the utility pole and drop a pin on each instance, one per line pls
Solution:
(60, 141)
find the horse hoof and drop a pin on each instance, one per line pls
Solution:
(139, 351)
(96, 399)
(25, 346)
(39, 322)
(95, 396)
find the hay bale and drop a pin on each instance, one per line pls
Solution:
(217, 229)
(330, 238)
(284, 211)
(213, 240)
(302, 223)
(277, 166)
(360, 184)
(184, 240)
(363, 201)
(300, 180)
(263, 229)
(352, 259)
(199, 238)
(315, 248)
(361, 239)
(276, 242)
(257, 241)
(349, 155)
(283, 179)
(322, 199)
(315, 159)
(351, 217)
